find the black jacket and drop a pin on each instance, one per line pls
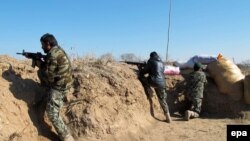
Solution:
(155, 69)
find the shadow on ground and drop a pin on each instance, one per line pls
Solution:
(30, 92)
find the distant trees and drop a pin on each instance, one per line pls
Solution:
(245, 63)
(130, 57)
(108, 57)
(245, 67)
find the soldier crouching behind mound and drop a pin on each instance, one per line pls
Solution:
(197, 80)
(56, 75)
(156, 79)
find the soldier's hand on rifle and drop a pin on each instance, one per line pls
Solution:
(37, 58)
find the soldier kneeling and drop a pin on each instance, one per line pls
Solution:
(195, 87)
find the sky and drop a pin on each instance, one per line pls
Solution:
(97, 27)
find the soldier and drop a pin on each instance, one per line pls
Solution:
(56, 75)
(156, 79)
(195, 86)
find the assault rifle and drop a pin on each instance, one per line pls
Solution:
(140, 64)
(33, 56)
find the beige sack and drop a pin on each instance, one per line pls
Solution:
(247, 89)
(228, 77)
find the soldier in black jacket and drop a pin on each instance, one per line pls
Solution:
(156, 79)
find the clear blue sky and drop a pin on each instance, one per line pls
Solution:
(198, 27)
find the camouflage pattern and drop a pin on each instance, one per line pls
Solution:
(53, 106)
(196, 104)
(56, 77)
(160, 92)
(195, 90)
(162, 98)
(58, 67)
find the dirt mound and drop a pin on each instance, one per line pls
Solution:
(108, 102)
(18, 84)
(108, 98)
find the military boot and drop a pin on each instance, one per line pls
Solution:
(190, 114)
(68, 138)
(194, 115)
(168, 117)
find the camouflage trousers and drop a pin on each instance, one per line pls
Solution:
(195, 104)
(54, 100)
(160, 92)
(162, 98)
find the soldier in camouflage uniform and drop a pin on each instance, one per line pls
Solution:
(156, 79)
(56, 75)
(195, 87)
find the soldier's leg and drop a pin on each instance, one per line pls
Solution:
(187, 105)
(146, 86)
(162, 98)
(53, 108)
(196, 105)
(195, 110)
(148, 91)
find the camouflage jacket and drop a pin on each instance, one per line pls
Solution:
(196, 84)
(58, 69)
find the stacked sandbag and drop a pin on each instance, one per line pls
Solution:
(247, 89)
(171, 70)
(228, 77)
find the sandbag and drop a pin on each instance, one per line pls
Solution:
(171, 70)
(247, 89)
(228, 78)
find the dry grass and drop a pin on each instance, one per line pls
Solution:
(90, 60)
(245, 68)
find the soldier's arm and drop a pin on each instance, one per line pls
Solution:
(204, 78)
(145, 70)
